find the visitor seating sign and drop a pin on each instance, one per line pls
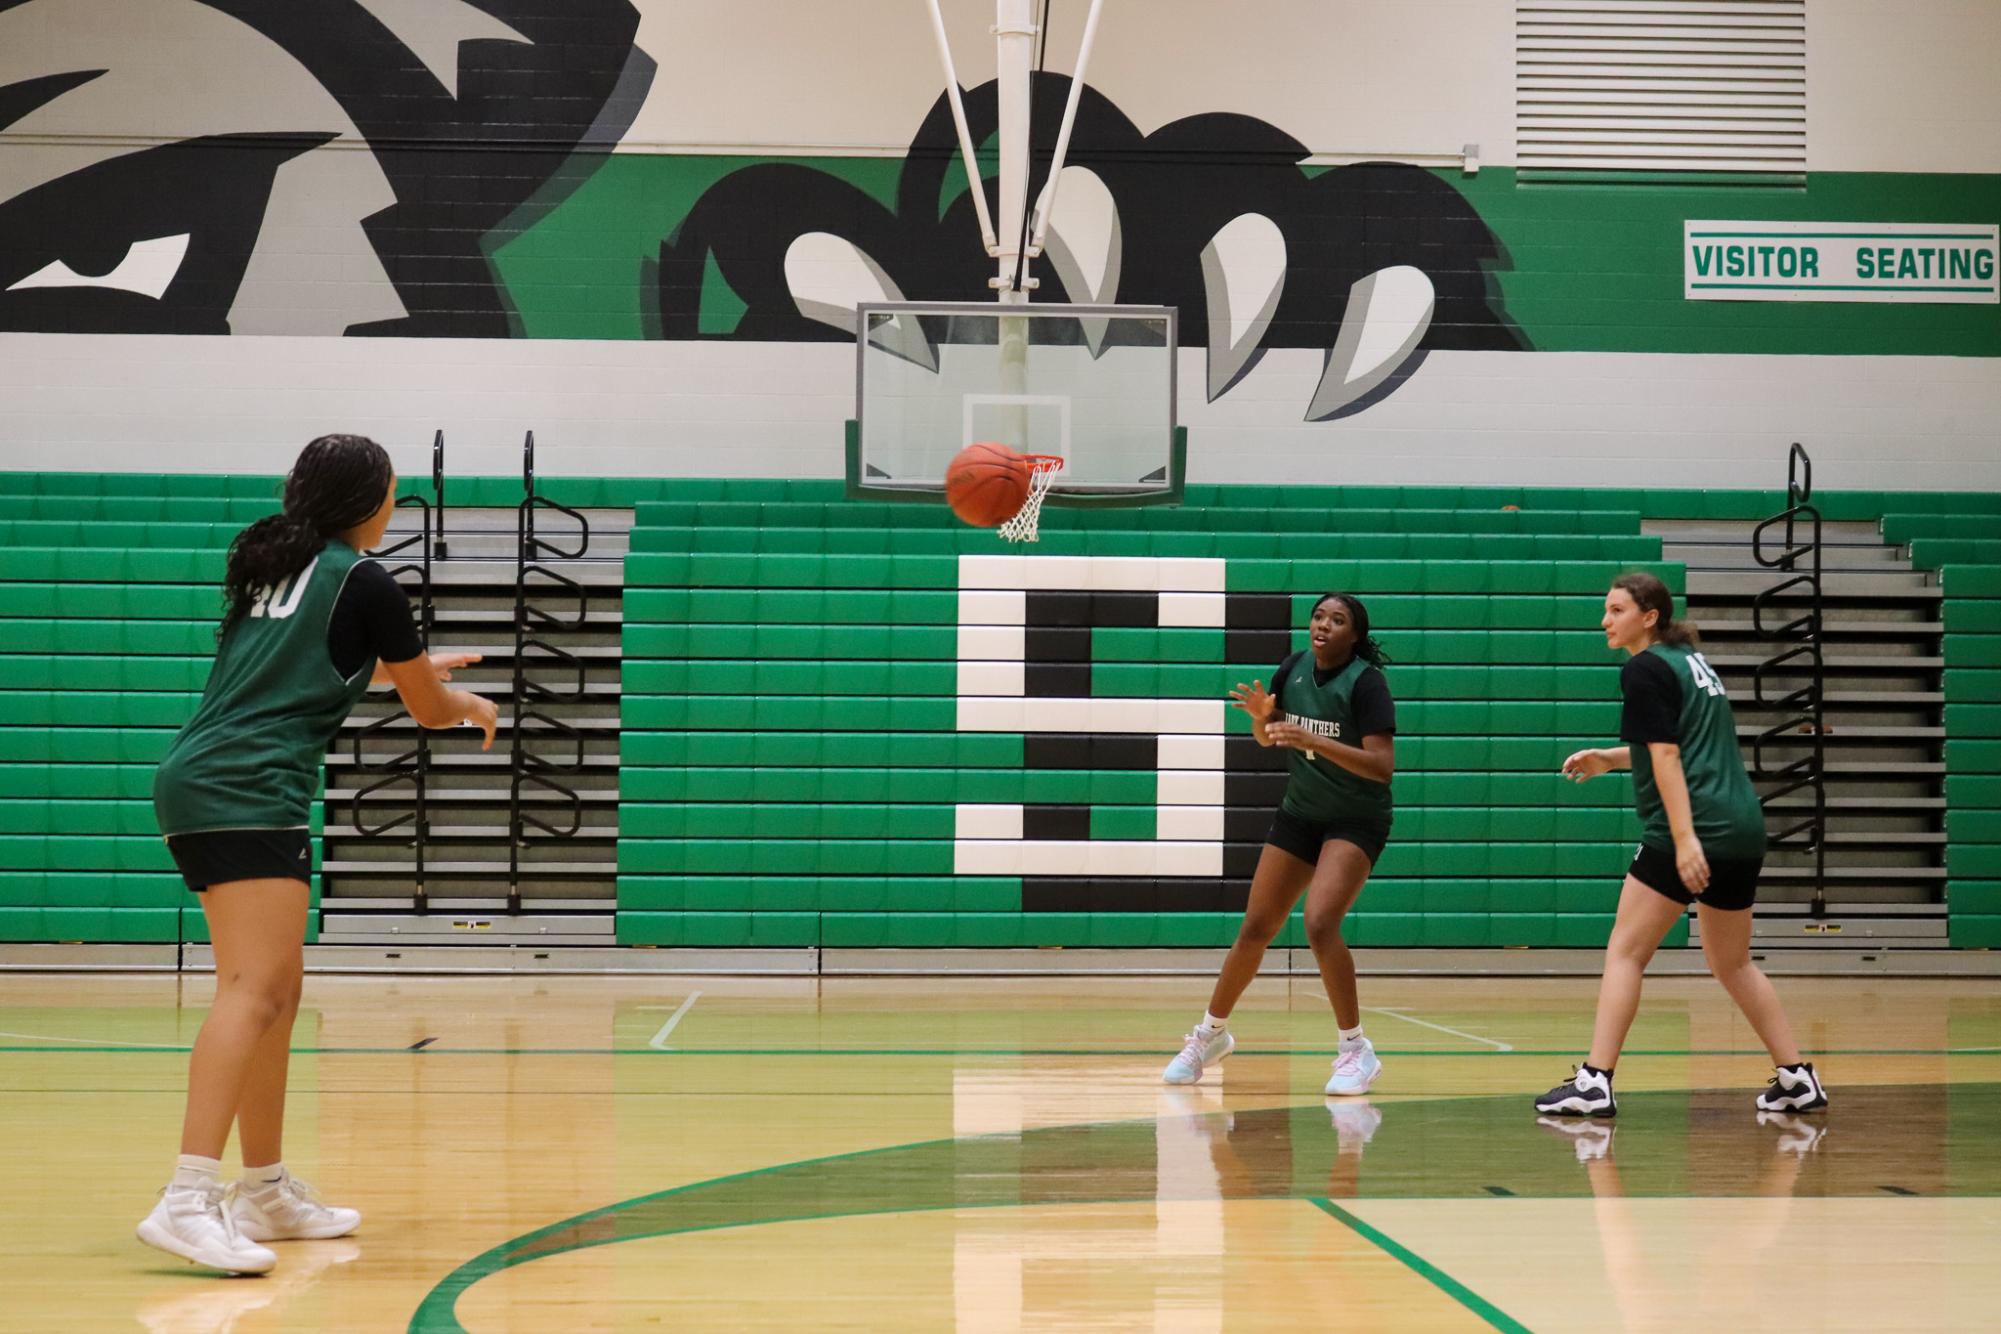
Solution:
(1840, 261)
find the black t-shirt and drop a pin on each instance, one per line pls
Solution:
(1652, 692)
(1375, 711)
(371, 618)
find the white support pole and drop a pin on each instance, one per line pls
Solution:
(1045, 208)
(1014, 63)
(973, 181)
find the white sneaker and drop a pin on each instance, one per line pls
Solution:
(1585, 1093)
(1591, 1138)
(1798, 1135)
(290, 1210)
(1354, 1069)
(1202, 1051)
(1355, 1123)
(1797, 1089)
(195, 1224)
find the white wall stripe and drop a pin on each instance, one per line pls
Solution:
(984, 606)
(1006, 643)
(1190, 752)
(987, 822)
(1013, 713)
(1198, 610)
(990, 678)
(1092, 857)
(1189, 822)
(1189, 574)
(1190, 787)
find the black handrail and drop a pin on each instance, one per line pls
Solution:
(414, 764)
(527, 768)
(438, 491)
(1803, 707)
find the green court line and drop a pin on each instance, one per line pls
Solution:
(1423, 1268)
(1039, 1052)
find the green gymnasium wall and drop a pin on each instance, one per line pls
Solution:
(794, 759)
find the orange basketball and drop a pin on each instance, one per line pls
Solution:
(986, 483)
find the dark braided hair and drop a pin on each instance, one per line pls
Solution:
(338, 482)
(1366, 647)
(1650, 594)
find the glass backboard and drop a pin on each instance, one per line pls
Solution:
(1093, 384)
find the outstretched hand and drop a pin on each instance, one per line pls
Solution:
(1253, 700)
(444, 664)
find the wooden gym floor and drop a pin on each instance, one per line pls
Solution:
(610, 1154)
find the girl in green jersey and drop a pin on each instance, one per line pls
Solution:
(1702, 842)
(309, 624)
(1330, 708)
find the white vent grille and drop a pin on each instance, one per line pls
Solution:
(1607, 88)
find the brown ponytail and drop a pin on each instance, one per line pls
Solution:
(1650, 594)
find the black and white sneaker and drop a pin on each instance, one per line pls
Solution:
(1793, 1089)
(1798, 1135)
(1589, 1093)
(1589, 1139)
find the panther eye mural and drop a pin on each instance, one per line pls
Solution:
(347, 177)
(1375, 265)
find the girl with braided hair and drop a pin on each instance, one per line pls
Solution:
(308, 623)
(1330, 707)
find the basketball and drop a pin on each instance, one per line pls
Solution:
(986, 483)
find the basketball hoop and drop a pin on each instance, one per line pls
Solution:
(1043, 469)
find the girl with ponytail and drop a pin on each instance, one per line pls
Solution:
(308, 624)
(1330, 708)
(1702, 842)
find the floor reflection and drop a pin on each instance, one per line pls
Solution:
(1901, 1140)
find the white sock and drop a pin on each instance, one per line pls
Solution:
(1350, 1036)
(263, 1178)
(1213, 1024)
(194, 1172)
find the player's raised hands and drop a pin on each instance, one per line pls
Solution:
(1253, 700)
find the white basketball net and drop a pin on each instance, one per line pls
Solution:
(1021, 528)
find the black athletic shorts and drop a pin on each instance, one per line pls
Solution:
(1302, 838)
(1733, 884)
(223, 855)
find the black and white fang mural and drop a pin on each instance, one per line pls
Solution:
(311, 167)
(1374, 264)
(397, 167)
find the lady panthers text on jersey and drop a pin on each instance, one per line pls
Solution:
(1318, 726)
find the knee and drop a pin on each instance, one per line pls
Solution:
(266, 996)
(1323, 929)
(1732, 973)
(1630, 948)
(1260, 928)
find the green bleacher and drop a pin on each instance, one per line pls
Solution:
(819, 809)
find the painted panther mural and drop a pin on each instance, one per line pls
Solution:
(1376, 263)
(316, 166)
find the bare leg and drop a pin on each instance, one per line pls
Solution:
(1280, 879)
(1337, 882)
(260, 1116)
(1645, 918)
(1726, 944)
(258, 928)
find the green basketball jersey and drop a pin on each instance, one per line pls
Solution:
(252, 755)
(1727, 816)
(1321, 791)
